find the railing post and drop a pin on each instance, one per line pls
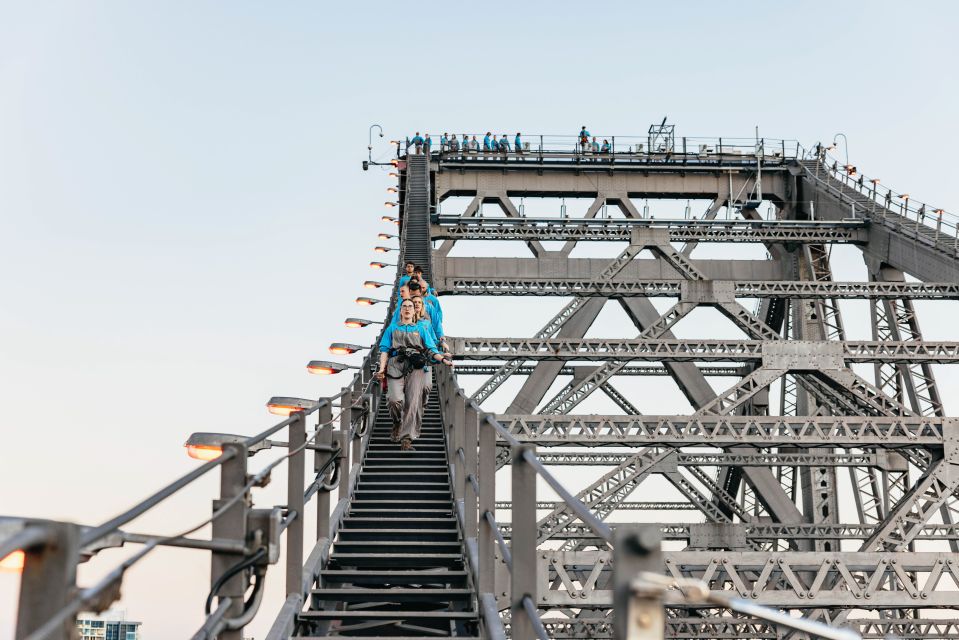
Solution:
(346, 425)
(356, 447)
(231, 525)
(470, 440)
(325, 437)
(487, 503)
(457, 418)
(523, 543)
(296, 471)
(637, 615)
(48, 580)
(342, 439)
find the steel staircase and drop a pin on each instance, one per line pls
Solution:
(877, 212)
(397, 569)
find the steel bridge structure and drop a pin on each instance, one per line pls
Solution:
(814, 474)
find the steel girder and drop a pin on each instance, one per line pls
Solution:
(788, 580)
(722, 626)
(480, 369)
(698, 350)
(591, 229)
(886, 432)
(753, 530)
(805, 290)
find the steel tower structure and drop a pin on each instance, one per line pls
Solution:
(764, 479)
(787, 421)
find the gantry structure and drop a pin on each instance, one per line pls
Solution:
(809, 491)
(765, 478)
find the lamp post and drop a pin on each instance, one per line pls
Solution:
(369, 147)
(846, 144)
(381, 265)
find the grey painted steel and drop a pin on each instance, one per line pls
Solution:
(48, 581)
(586, 229)
(720, 431)
(232, 526)
(523, 578)
(680, 289)
(801, 355)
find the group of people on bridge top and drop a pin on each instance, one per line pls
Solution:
(492, 145)
(411, 344)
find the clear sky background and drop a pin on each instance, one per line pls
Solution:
(184, 222)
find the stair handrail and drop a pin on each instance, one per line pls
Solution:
(471, 442)
(881, 197)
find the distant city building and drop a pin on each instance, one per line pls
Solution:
(109, 626)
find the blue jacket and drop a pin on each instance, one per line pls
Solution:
(486, 144)
(386, 342)
(435, 328)
(584, 134)
(403, 280)
(417, 140)
(518, 143)
(504, 144)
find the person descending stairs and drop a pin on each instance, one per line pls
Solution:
(397, 567)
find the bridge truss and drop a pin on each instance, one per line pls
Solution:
(838, 501)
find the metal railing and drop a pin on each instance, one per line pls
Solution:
(618, 149)
(471, 450)
(933, 225)
(244, 541)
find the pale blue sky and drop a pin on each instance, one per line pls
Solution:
(184, 224)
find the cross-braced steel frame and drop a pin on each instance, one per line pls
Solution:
(838, 501)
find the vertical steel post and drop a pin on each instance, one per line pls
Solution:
(295, 504)
(231, 525)
(470, 440)
(342, 438)
(459, 426)
(325, 437)
(637, 615)
(487, 503)
(523, 542)
(48, 580)
(346, 425)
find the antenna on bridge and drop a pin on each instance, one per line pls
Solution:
(662, 137)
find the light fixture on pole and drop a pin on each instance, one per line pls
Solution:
(285, 405)
(359, 323)
(389, 204)
(390, 219)
(845, 140)
(368, 302)
(326, 368)
(392, 190)
(209, 446)
(393, 174)
(345, 348)
(381, 265)
(373, 284)
(386, 236)
(369, 147)
(383, 249)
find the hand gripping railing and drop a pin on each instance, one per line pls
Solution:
(244, 541)
(640, 589)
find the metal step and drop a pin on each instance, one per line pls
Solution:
(451, 578)
(402, 535)
(427, 521)
(341, 560)
(395, 548)
(400, 595)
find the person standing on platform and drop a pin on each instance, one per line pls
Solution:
(427, 143)
(417, 142)
(584, 140)
(518, 144)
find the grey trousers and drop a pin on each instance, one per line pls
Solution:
(406, 399)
